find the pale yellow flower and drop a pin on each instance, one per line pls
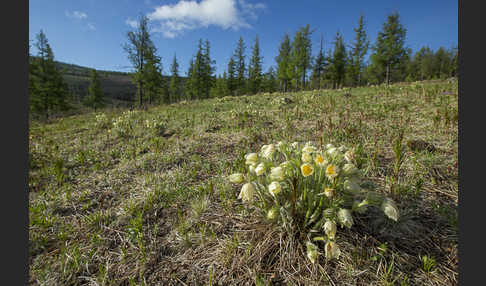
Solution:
(251, 159)
(312, 252)
(308, 149)
(272, 213)
(274, 188)
(306, 157)
(332, 250)
(252, 169)
(329, 192)
(330, 229)
(390, 209)
(236, 178)
(345, 217)
(260, 169)
(349, 155)
(277, 173)
(320, 161)
(267, 151)
(332, 171)
(247, 192)
(307, 169)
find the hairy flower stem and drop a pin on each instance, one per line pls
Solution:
(294, 196)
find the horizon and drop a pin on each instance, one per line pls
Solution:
(92, 34)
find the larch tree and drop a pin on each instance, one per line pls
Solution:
(255, 69)
(174, 85)
(138, 48)
(283, 63)
(95, 98)
(389, 48)
(240, 67)
(358, 52)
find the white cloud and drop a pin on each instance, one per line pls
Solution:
(76, 15)
(131, 23)
(188, 15)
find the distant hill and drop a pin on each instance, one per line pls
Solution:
(117, 87)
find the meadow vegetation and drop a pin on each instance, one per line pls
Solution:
(145, 197)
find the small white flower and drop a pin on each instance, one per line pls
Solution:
(312, 252)
(342, 148)
(236, 178)
(260, 169)
(251, 159)
(329, 146)
(332, 250)
(330, 229)
(247, 192)
(277, 173)
(345, 217)
(390, 209)
(274, 188)
(295, 145)
(306, 157)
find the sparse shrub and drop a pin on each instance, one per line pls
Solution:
(308, 191)
(123, 125)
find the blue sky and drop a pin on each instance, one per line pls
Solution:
(92, 32)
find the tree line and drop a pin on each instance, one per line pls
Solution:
(295, 69)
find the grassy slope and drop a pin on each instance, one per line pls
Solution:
(155, 207)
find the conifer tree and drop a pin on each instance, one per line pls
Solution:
(270, 80)
(301, 56)
(318, 69)
(389, 48)
(153, 81)
(283, 63)
(255, 69)
(190, 83)
(95, 98)
(338, 61)
(137, 48)
(358, 51)
(240, 67)
(207, 79)
(231, 81)
(48, 91)
(174, 85)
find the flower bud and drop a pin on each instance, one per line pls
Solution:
(247, 192)
(390, 209)
(306, 157)
(329, 192)
(312, 252)
(260, 169)
(251, 159)
(345, 217)
(277, 173)
(349, 155)
(332, 250)
(272, 213)
(267, 151)
(274, 188)
(330, 229)
(236, 178)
